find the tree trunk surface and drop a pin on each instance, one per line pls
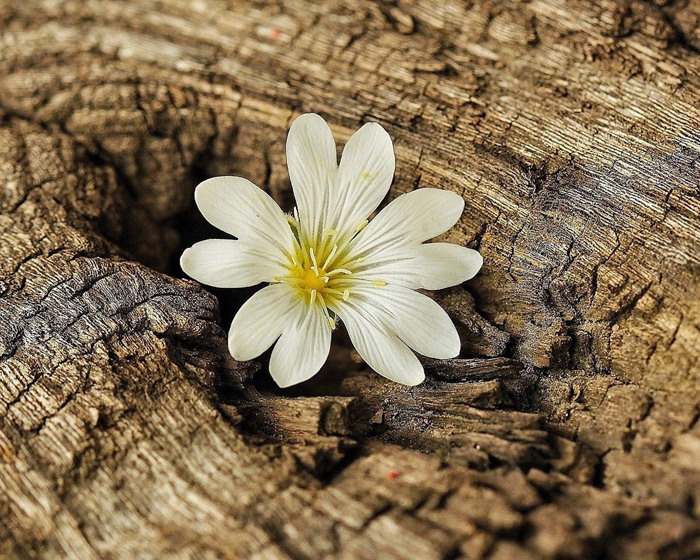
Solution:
(569, 427)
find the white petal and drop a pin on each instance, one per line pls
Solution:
(380, 348)
(364, 176)
(227, 263)
(411, 218)
(415, 318)
(303, 347)
(261, 320)
(312, 163)
(391, 267)
(237, 206)
(442, 265)
(432, 266)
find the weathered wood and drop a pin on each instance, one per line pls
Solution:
(460, 369)
(570, 427)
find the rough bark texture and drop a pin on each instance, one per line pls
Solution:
(570, 427)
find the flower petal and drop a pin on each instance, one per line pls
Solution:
(237, 206)
(364, 176)
(379, 347)
(415, 318)
(392, 267)
(411, 218)
(261, 320)
(313, 164)
(441, 265)
(431, 266)
(303, 347)
(227, 263)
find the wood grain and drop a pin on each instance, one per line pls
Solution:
(569, 426)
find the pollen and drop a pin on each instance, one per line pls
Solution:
(379, 282)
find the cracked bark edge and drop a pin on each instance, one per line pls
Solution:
(114, 441)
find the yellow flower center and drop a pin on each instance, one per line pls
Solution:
(310, 280)
(318, 280)
(321, 269)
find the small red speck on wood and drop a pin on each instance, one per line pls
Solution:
(392, 475)
(274, 33)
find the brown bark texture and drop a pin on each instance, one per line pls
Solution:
(569, 426)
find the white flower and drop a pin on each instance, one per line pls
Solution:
(327, 262)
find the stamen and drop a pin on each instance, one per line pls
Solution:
(356, 261)
(313, 259)
(333, 291)
(287, 280)
(326, 279)
(339, 271)
(346, 295)
(379, 282)
(324, 307)
(313, 296)
(296, 213)
(329, 231)
(334, 250)
(361, 225)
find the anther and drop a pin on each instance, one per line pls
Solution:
(313, 260)
(379, 282)
(334, 250)
(346, 295)
(361, 225)
(313, 296)
(329, 231)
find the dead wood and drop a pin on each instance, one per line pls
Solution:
(569, 429)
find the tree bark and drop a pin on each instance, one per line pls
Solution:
(569, 427)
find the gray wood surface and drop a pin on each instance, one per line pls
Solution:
(570, 428)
